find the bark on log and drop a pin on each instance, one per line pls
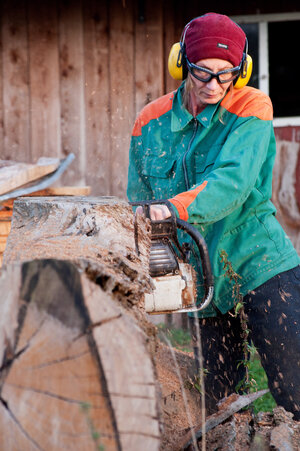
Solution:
(76, 366)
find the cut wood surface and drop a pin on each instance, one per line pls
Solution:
(75, 370)
(14, 174)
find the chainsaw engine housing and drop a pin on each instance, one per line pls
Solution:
(173, 291)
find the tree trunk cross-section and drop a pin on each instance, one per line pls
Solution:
(75, 367)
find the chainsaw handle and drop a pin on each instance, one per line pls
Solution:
(205, 261)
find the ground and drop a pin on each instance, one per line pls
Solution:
(243, 431)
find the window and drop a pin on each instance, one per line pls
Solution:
(272, 43)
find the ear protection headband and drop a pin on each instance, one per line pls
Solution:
(178, 67)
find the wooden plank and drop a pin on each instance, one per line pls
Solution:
(14, 175)
(149, 54)
(5, 227)
(97, 106)
(3, 240)
(173, 27)
(44, 79)
(72, 89)
(6, 212)
(121, 94)
(15, 81)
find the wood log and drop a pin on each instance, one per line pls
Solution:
(76, 365)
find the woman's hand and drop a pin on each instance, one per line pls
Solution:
(157, 212)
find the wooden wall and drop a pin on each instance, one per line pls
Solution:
(73, 76)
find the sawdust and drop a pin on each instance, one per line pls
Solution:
(175, 413)
(242, 431)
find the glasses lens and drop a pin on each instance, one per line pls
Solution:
(200, 74)
(228, 76)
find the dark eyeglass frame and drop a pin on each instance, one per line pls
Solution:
(192, 66)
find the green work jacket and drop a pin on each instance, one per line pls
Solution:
(216, 170)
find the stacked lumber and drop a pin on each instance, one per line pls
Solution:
(6, 209)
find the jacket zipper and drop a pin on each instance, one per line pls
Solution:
(186, 177)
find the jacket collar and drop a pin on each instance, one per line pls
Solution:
(181, 117)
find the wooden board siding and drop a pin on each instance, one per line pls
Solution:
(15, 83)
(149, 54)
(97, 97)
(43, 64)
(121, 63)
(69, 71)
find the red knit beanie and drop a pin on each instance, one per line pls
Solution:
(214, 36)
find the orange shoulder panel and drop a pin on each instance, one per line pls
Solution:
(153, 110)
(247, 102)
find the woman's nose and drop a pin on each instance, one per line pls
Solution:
(212, 84)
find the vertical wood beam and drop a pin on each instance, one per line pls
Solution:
(97, 106)
(44, 79)
(15, 83)
(71, 75)
(172, 34)
(149, 54)
(121, 63)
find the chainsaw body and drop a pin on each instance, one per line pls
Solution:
(174, 278)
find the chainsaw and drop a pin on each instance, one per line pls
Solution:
(174, 278)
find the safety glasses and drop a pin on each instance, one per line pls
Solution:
(205, 75)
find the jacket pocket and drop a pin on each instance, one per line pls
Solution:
(158, 167)
(160, 174)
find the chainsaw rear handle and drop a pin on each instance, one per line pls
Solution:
(172, 224)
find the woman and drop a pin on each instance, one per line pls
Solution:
(209, 148)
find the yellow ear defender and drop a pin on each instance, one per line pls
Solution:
(175, 62)
(245, 74)
(178, 71)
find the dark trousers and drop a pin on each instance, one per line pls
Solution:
(273, 318)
